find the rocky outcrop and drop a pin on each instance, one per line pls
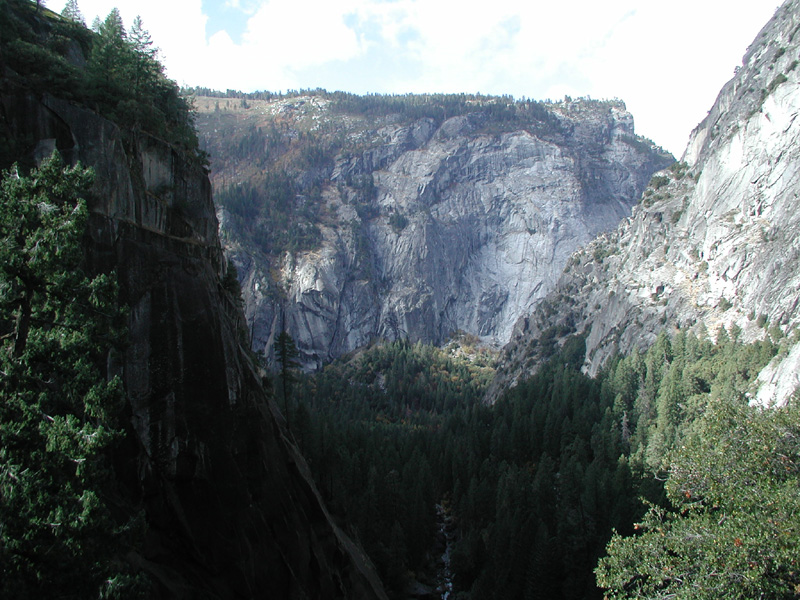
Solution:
(464, 228)
(230, 507)
(714, 241)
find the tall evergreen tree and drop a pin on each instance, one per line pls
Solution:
(145, 78)
(141, 41)
(72, 12)
(111, 58)
(286, 354)
(58, 535)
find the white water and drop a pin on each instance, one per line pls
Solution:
(445, 576)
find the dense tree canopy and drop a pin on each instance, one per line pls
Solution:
(537, 483)
(733, 528)
(58, 404)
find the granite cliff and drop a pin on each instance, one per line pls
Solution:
(229, 505)
(713, 242)
(428, 224)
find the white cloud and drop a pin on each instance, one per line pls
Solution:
(669, 62)
(300, 33)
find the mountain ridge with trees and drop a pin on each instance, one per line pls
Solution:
(354, 218)
(194, 443)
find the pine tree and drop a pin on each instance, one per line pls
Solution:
(57, 406)
(146, 70)
(72, 12)
(141, 41)
(286, 354)
(111, 58)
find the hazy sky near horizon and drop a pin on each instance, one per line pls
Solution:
(666, 60)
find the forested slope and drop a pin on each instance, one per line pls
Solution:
(532, 486)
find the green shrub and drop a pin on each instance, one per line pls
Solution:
(397, 222)
(658, 181)
(779, 79)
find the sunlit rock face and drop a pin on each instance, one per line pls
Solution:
(464, 228)
(714, 243)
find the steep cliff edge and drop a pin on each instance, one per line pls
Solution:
(427, 223)
(714, 241)
(230, 508)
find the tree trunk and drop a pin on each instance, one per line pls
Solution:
(23, 323)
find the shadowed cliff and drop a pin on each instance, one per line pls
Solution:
(230, 509)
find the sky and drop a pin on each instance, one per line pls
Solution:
(666, 60)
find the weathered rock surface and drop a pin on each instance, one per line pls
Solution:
(714, 247)
(465, 229)
(229, 503)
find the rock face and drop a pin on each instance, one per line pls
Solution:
(714, 242)
(465, 228)
(229, 503)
